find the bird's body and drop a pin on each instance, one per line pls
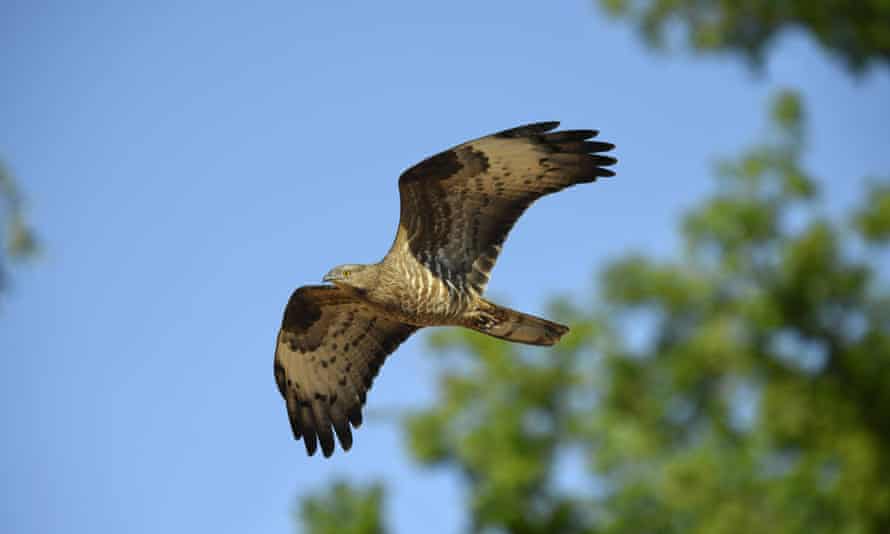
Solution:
(428, 300)
(456, 210)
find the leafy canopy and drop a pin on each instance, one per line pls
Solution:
(858, 32)
(18, 241)
(343, 509)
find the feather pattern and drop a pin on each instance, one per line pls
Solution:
(458, 206)
(330, 347)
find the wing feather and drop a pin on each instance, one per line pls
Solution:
(330, 348)
(458, 206)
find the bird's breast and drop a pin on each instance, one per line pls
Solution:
(410, 293)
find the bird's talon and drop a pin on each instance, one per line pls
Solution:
(484, 322)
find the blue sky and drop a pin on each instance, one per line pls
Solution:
(187, 166)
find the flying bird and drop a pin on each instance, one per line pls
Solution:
(456, 210)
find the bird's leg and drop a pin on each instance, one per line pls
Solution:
(483, 320)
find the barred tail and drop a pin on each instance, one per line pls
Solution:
(511, 325)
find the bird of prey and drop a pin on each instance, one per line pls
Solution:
(456, 210)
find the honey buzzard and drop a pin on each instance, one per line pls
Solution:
(456, 210)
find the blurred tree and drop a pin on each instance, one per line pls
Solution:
(18, 241)
(758, 399)
(344, 510)
(856, 31)
(743, 387)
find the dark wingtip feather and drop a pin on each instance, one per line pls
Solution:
(601, 146)
(570, 135)
(295, 426)
(582, 160)
(326, 438)
(309, 429)
(604, 160)
(310, 443)
(344, 435)
(528, 129)
(355, 416)
(341, 427)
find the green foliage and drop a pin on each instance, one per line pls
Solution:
(759, 401)
(857, 32)
(19, 241)
(344, 510)
(501, 419)
(873, 219)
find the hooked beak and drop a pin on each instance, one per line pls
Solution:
(330, 277)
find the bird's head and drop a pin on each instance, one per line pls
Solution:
(356, 277)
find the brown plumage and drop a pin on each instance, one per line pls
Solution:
(457, 208)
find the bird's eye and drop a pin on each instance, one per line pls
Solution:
(346, 274)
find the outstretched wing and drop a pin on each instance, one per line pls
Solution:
(458, 206)
(329, 350)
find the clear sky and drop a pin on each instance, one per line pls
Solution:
(187, 164)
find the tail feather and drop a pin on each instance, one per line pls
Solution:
(512, 325)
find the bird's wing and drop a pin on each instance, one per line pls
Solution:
(458, 206)
(329, 350)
